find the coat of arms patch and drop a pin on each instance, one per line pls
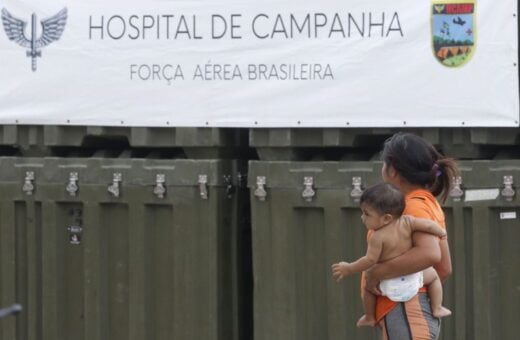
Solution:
(453, 31)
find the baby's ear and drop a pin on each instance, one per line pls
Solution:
(387, 218)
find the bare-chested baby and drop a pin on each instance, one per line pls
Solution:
(382, 206)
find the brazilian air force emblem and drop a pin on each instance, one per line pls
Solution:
(453, 31)
(51, 30)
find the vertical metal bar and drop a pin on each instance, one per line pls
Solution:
(285, 297)
(8, 263)
(49, 272)
(507, 232)
(32, 279)
(182, 310)
(335, 234)
(137, 256)
(159, 272)
(263, 312)
(20, 227)
(458, 247)
(311, 272)
(209, 246)
(114, 221)
(481, 270)
(94, 312)
(195, 298)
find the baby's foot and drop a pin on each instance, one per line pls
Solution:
(366, 320)
(441, 312)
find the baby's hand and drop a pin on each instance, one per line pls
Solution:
(340, 270)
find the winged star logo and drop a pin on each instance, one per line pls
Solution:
(52, 29)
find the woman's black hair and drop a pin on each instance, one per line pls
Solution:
(418, 162)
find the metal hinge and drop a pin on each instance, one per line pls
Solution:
(160, 189)
(203, 188)
(28, 186)
(308, 191)
(457, 192)
(114, 188)
(357, 189)
(72, 187)
(260, 192)
(508, 192)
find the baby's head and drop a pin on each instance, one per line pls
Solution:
(381, 204)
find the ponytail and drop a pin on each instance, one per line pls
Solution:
(443, 177)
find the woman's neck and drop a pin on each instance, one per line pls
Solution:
(406, 187)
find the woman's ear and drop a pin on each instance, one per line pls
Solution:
(391, 172)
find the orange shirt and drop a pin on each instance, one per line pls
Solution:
(419, 203)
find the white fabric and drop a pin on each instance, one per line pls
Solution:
(318, 69)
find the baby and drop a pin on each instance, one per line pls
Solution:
(382, 206)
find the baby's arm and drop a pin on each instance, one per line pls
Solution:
(374, 248)
(426, 226)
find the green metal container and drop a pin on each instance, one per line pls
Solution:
(484, 230)
(307, 144)
(54, 140)
(305, 217)
(124, 249)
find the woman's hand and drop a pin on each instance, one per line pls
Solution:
(372, 281)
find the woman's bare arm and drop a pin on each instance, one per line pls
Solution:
(443, 268)
(425, 253)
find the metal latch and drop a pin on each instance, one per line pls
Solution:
(357, 190)
(159, 190)
(260, 192)
(113, 188)
(203, 181)
(28, 186)
(308, 192)
(230, 189)
(75, 234)
(457, 192)
(72, 187)
(508, 192)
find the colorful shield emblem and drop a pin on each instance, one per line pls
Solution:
(453, 31)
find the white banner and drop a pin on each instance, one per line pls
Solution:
(259, 63)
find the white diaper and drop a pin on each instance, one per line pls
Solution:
(403, 288)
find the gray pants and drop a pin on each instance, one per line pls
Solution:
(411, 320)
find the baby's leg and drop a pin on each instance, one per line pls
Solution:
(369, 304)
(431, 279)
